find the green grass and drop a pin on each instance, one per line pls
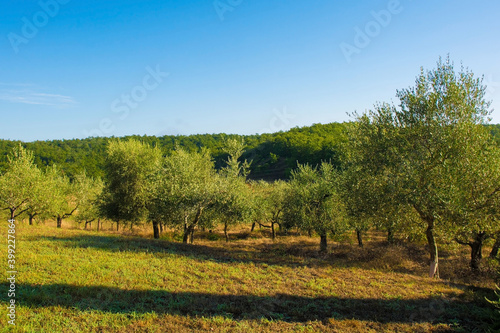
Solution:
(87, 281)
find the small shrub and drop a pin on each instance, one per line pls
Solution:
(177, 237)
(167, 237)
(213, 236)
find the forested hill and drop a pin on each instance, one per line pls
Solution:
(273, 156)
(495, 131)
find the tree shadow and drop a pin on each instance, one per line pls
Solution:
(377, 255)
(270, 254)
(283, 307)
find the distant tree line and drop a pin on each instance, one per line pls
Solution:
(273, 155)
(427, 168)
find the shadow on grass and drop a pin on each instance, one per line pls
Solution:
(271, 254)
(404, 258)
(287, 308)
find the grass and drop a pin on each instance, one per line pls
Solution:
(73, 280)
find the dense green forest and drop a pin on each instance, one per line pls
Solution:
(273, 156)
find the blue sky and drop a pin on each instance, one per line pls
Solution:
(73, 69)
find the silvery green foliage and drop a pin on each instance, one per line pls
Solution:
(233, 200)
(313, 202)
(416, 151)
(270, 202)
(131, 167)
(18, 183)
(89, 191)
(186, 186)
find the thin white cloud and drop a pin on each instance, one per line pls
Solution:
(29, 96)
(16, 84)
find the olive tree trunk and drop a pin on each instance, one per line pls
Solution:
(390, 236)
(431, 241)
(494, 249)
(225, 232)
(433, 250)
(156, 230)
(31, 217)
(359, 234)
(476, 253)
(323, 243)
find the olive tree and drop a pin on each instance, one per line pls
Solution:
(39, 204)
(313, 202)
(475, 198)
(90, 190)
(232, 202)
(19, 182)
(130, 169)
(417, 143)
(187, 186)
(63, 195)
(357, 194)
(269, 203)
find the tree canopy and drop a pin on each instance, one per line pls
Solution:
(416, 148)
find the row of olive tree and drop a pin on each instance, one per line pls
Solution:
(182, 189)
(27, 191)
(425, 166)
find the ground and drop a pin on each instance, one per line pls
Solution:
(72, 280)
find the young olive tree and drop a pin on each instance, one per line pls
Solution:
(187, 186)
(63, 196)
(39, 204)
(19, 183)
(269, 201)
(232, 202)
(313, 202)
(356, 191)
(90, 190)
(129, 182)
(367, 181)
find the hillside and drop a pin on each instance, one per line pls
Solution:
(272, 155)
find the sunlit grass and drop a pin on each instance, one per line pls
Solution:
(86, 281)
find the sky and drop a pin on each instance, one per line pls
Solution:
(75, 69)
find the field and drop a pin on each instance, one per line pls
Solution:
(73, 280)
